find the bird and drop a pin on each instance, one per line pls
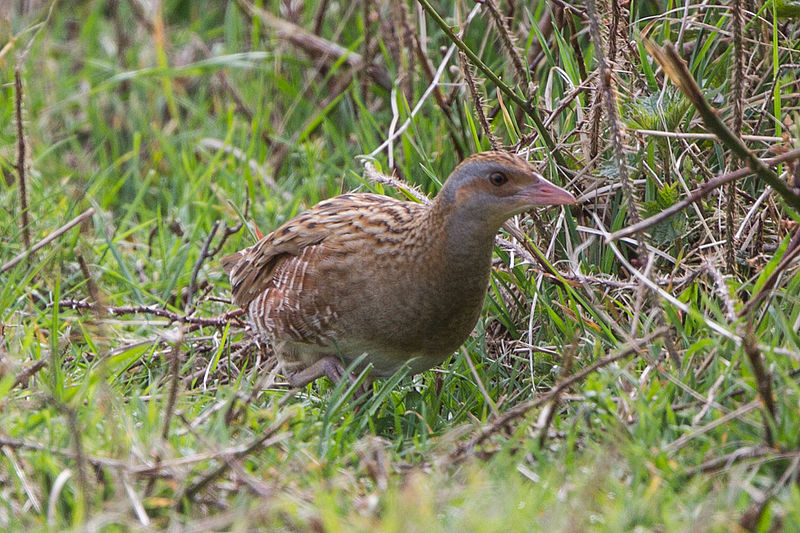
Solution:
(397, 282)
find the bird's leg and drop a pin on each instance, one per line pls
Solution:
(331, 367)
(327, 366)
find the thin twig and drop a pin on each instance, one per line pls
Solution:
(218, 321)
(257, 486)
(737, 80)
(80, 457)
(416, 48)
(720, 329)
(376, 177)
(701, 136)
(136, 501)
(140, 15)
(50, 238)
(486, 397)
(569, 97)
(576, 47)
(522, 409)
(91, 286)
(501, 24)
(683, 440)
(199, 264)
(431, 89)
(697, 195)
(408, 40)
(78, 454)
(319, 17)
(264, 439)
(143, 470)
(367, 42)
(549, 411)
(612, 117)
(29, 371)
(23, 185)
(613, 30)
(255, 168)
(763, 382)
(23, 479)
(231, 89)
(726, 461)
(478, 101)
(266, 379)
(751, 518)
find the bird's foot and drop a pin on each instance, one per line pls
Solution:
(331, 367)
(327, 366)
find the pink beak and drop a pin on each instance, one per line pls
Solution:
(545, 193)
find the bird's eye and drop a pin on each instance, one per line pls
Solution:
(498, 178)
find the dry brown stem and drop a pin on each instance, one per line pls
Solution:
(610, 102)
(315, 45)
(195, 322)
(266, 439)
(544, 133)
(23, 184)
(50, 238)
(501, 24)
(478, 101)
(763, 382)
(29, 371)
(697, 195)
(737, 80)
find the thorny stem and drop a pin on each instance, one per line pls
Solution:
(525, 105)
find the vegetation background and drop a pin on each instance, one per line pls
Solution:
(645, 382)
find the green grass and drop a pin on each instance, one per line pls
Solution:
(126, 119)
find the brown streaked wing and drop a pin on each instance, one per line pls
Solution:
(252, 270)
(289, 308)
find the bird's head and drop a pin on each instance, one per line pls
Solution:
(494, 186)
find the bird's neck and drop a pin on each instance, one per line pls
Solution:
(466, 236)
(465, 247)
